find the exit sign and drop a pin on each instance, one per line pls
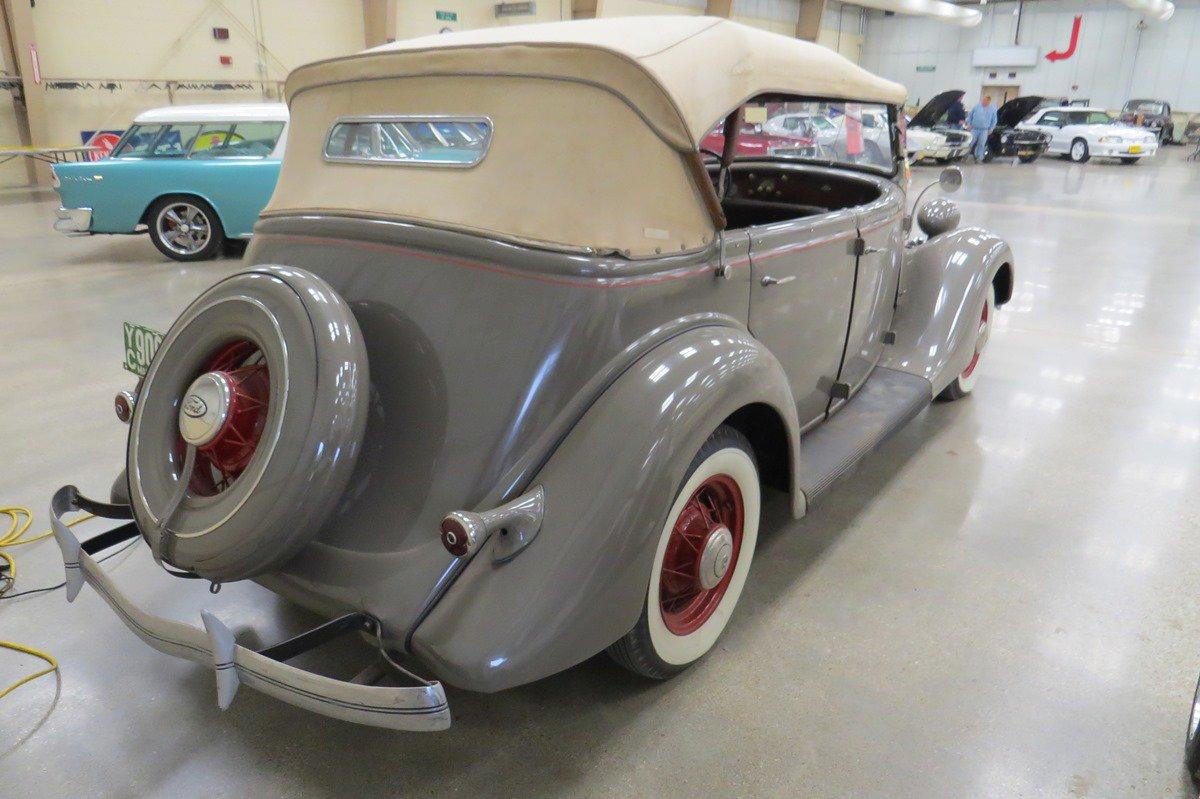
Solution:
(929, 68)
(448, 16)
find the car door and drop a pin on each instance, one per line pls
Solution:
(879, 244)
(1051, 122)
(800, 297)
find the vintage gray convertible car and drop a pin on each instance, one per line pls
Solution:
(511, 359)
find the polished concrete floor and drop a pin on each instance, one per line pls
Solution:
(1001, 603)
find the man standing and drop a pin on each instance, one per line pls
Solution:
(956, 116)
(981, 120)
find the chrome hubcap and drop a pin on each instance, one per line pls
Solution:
(715, 557)
(183, 228)
(204, 409)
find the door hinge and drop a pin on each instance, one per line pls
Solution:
(840, 391)
(859, 247)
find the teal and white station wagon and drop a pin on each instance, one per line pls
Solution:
(192, 176)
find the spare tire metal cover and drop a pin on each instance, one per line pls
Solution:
(308, 436)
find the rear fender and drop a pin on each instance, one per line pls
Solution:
(943, 286)
(581, 584)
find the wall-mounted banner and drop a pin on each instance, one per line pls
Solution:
(515, 9)
(1061, 55)
(106, 140)
(1010, 55)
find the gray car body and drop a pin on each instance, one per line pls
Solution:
(497, 368)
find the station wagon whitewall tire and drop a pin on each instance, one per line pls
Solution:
(701, 561)
(185, 228)
(964, 383)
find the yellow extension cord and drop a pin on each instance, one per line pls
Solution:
(20, 520)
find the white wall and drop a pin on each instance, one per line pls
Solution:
(1109, 66)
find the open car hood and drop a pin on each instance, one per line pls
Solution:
(933, 110)
(1017, 109)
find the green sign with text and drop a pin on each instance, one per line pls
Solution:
(448, 16)
(140, 344)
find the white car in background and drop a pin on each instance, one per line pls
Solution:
(923, 143)
(803, 124)
(1083, 133)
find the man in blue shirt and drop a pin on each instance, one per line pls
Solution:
(981, 120)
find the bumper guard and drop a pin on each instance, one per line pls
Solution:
(73, 221)
(420, 707)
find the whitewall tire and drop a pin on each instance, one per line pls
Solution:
(703, 557)
(964, 383)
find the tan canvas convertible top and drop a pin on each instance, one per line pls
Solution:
(598, 120)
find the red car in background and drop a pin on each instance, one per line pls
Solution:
(753, 141)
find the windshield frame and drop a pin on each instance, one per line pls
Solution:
(898, 156)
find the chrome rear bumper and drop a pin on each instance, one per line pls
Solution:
(73, 221)
(421, 707)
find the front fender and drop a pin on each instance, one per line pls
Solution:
(581, 584)
(942, 289)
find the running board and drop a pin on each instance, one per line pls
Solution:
(885, 403)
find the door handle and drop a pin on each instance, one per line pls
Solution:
(769, 281)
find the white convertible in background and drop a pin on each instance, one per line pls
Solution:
(922, 143)
(1083, 133)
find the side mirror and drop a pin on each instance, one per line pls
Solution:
(951, 179)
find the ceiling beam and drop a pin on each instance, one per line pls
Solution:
(21, 45)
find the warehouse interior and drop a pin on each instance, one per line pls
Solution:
(994, 599)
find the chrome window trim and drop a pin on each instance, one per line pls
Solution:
(383, 118)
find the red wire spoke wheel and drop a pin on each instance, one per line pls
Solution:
(701, 562)
(239, 373)
(701, 554)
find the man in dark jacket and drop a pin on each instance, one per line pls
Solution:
(957, 115)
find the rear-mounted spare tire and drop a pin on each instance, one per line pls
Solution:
(264, 378)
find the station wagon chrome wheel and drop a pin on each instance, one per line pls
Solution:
(183, 228)
(701, 562)
(1191, 745)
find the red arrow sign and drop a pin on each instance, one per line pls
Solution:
(1059, 55)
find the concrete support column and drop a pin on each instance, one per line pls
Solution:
(719, 8)
(379, 21)
(808, 26)
(32, 122)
